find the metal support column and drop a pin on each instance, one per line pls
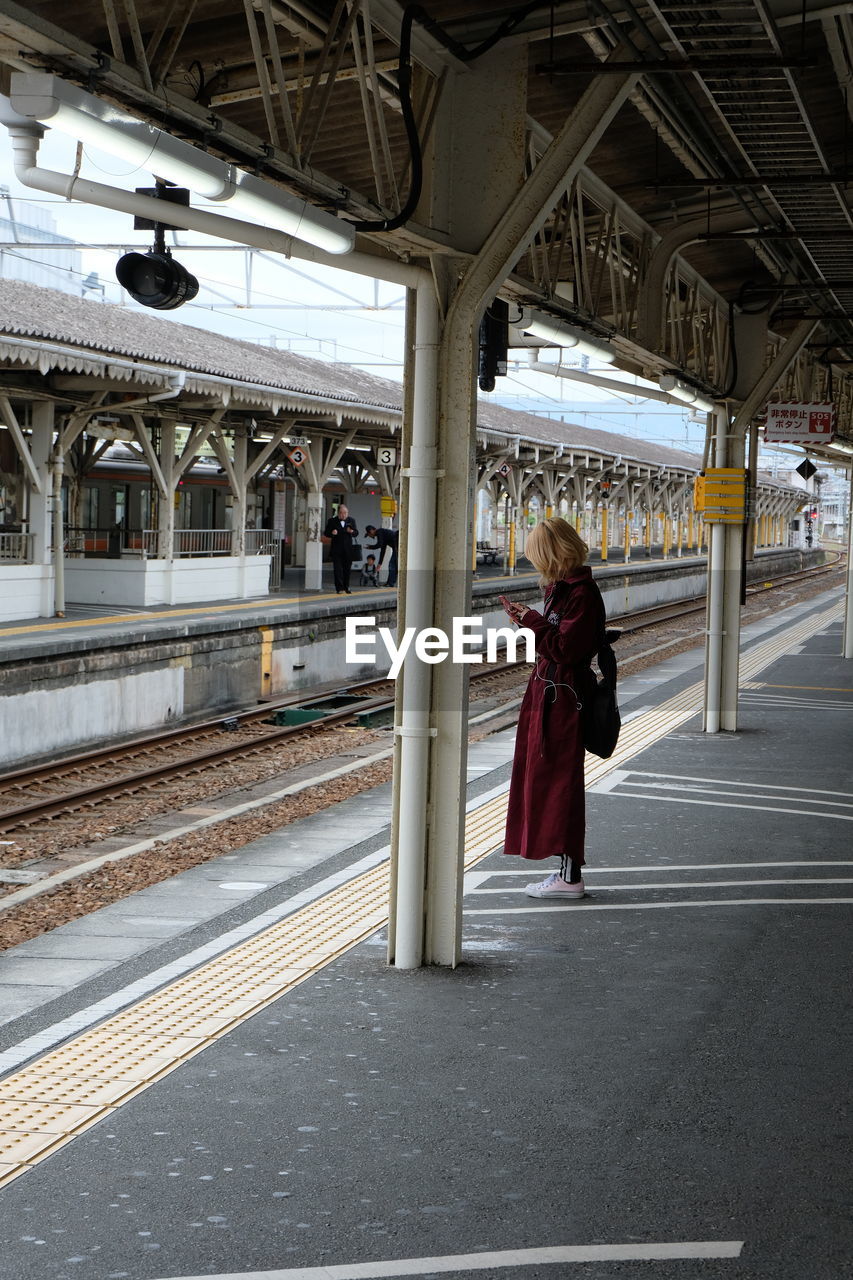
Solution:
(847, 642)
(513, 231)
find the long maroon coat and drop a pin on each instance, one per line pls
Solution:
(546, 814)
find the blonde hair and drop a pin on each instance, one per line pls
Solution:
(555, 548)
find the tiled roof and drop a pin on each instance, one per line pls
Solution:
(83, 326)
(29, 311)
(513, 422)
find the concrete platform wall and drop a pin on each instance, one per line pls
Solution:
(143, 583)
(26, 591)
(62, 692)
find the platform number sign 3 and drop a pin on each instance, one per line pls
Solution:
(386, 457)
(297, 456)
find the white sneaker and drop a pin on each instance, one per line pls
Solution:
(555, 887)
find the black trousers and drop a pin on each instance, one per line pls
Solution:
(341, 566)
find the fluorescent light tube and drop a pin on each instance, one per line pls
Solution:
(567, 335)
(673, 386)
(54, 102)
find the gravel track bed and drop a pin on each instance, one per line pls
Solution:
(88, 826)
(97, 889)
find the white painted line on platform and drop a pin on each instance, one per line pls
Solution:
(734, 782)
(695, 788)
(691, 884)
(489, 1261)
(581, 904)
(681, 798)
(640, 711)
(683, 866)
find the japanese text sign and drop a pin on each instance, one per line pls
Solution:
(799, 423)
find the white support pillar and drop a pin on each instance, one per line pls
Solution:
(313, 545)
(512, 232)
(41, 444)
(166, 511)
(714, 627)
(57, 471)
(847, 644)
(414, 729)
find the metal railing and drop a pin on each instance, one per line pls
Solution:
(16, 548)
(202, 542)
(262, 542)
(113, 543)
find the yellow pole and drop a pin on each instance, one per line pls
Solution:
(549, 511)
(680, 533)
(690, 529)
(604, 534)
(666, 534)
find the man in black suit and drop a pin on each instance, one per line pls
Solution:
(340, 533)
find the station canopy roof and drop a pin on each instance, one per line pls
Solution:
(54, 333)
(740, 109)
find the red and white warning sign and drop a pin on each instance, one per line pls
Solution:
(799, 423)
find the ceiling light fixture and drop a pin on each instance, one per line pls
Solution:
(55, 102)
(673, 386)
(551, 329)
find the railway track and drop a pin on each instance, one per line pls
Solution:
(35, 795)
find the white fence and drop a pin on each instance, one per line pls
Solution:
(16, 548)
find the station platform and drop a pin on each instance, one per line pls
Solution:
(221, 1077)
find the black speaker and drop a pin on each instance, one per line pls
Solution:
(156, 280)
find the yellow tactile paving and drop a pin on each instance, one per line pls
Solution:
(48, 1117)
(78, 1084)
(34, 1087)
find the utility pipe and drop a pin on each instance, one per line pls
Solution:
(557, 370)
(25, 143)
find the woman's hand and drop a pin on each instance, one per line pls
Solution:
(513, 609)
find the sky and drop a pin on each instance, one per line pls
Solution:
(321, 312)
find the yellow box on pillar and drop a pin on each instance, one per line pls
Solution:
(720, 494)
(387, 507)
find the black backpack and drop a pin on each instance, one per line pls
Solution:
(601, 719)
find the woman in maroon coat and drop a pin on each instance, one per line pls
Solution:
(546, 814)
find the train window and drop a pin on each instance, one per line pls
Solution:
(90, 507)
(119, 504)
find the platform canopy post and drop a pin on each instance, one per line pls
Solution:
(847, 642)
(41, 445)
(726, 546)
(517, 210)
